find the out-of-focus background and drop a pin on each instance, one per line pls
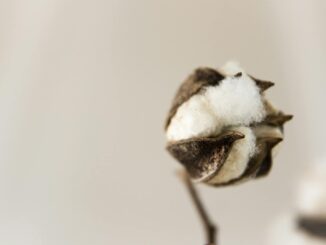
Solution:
(84, 90)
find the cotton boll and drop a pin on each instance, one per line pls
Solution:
(285, 232)
(311, 206)
(311, 200)
(236, 101)
(194, 118)
(238, 158)
(207, 105)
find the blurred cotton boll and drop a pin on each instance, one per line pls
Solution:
(311, 200)
(286, 232)
(300, 227)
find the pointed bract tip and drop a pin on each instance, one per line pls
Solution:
(286, 118)
(278, 119)
(264, 85)
(233, 136)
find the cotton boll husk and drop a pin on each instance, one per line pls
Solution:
(236, 101)
(238, 158)
(263, 131)
(311, 200)
(266, 131)
(269, 107)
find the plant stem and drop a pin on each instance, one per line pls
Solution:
(209, 226)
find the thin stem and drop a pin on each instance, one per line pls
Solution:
(209, 226)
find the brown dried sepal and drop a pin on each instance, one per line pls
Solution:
(203, 156)
(262, 84)
(277, 119)
(260, 164)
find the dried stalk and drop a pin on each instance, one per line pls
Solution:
(209, 226)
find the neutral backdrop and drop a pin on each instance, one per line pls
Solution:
(84, 90)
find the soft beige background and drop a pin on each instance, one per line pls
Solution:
(85, 87)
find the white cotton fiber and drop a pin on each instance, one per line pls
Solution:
(235, 164)
(194, 118)
(231, 68)
(235, 101)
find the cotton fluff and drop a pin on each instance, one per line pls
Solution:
(235, 101)
(231, 68)
(194, 118)
(238, 158)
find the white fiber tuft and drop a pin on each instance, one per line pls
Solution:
(194, 118)
(236, 101)
(231, 68)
